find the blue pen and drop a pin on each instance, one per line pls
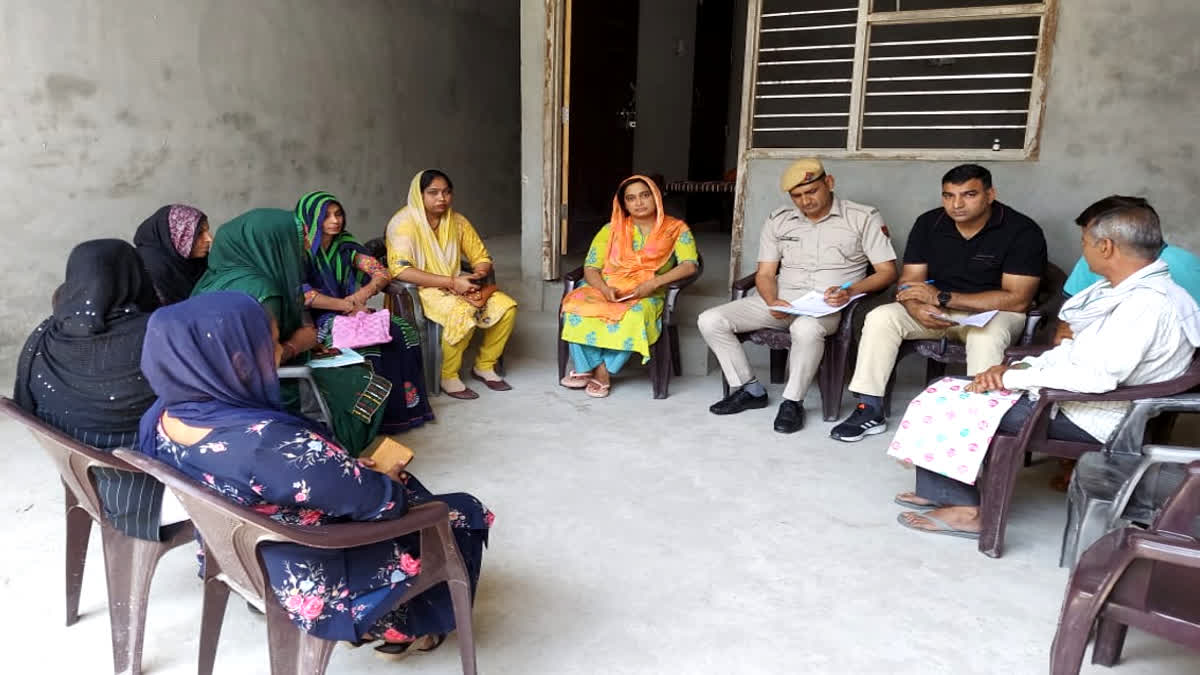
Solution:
(928, 281)
(845, 286)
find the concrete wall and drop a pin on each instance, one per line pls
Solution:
(533, 151)
(666, 40)
(111, 109)
(1120, 118)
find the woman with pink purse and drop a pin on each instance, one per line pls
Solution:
(340, 277)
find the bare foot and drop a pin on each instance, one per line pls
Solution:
(914, 499)
(965, 518)
(602, 375)
(453, 386)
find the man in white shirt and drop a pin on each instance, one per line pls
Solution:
(1135, 326)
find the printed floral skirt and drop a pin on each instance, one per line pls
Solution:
(345, 594)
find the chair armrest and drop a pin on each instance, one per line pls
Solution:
(305, 374)
(295, 372)
(1130, 434)
(741, 287)
(1151, 455)
(1021, 351)
(571, 279)
(349, 535)
(1178, 516)
(335, 536)
(673, 290)
(1136, 392)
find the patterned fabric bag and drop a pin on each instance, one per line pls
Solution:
(362, 329)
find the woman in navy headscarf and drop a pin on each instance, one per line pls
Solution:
(218, 418)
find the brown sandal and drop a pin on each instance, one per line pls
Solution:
(466, 394)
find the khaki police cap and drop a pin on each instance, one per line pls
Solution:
(801, 172)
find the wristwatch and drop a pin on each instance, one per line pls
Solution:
(943, 298)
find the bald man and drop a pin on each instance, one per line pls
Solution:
(821, 242)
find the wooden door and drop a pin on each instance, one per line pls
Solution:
(599, 116)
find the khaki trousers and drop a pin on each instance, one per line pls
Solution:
(720, 326)
(889, 325)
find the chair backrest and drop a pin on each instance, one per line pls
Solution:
(231, 533)
(71, 457)
(377, 248)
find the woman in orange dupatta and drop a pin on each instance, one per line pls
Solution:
(618, 310)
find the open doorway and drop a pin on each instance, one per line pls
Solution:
(653, 87)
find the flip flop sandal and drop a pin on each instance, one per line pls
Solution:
(596, 389)
(943, 527)
(394, 650)
(494, 385)
(575, 380)
(915, 505)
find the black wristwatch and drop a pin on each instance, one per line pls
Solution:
(943, 298)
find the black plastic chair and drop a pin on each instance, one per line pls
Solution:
(664, 353)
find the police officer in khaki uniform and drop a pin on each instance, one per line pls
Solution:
(821, 243)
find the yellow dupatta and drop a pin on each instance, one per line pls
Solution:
(412, 242)
(624, 268)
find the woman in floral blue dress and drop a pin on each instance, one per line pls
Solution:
(211, 360)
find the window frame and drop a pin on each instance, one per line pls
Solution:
(1047, 11)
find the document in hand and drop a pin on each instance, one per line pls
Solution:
(813, 304)
(347, 357)
(977, 320)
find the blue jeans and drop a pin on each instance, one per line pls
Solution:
(587, 358)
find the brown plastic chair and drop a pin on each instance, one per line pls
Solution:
(839, 349)
(664, 353)
(129, 563)
(1007, 453)
(1132, 577)
(942, 352)
(232, 535)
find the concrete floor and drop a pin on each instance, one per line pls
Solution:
(690, 544)
(633, 536)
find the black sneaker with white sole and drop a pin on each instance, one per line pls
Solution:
(862, 422)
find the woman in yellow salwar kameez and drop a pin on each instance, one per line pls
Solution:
(619, 310)
(427, 242)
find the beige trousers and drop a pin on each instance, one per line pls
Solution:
(889, 325)
(720, 325)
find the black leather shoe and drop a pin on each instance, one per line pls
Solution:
(736, 402)
(790, 418)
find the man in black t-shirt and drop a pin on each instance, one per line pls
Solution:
(972, 255)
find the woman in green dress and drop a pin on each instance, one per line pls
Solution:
(619, 309)
(259, 253)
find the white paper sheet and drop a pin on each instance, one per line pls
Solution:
(813, 304)
(977, 320)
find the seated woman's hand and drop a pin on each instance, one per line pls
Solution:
(396, 473)
(462, 284)
(351, 305)
(645, 289)
(610, 294)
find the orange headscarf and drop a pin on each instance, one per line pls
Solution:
(625, 268)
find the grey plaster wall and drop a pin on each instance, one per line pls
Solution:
(1120, 118)
(666, 39)
(111, 109)
(533, 151)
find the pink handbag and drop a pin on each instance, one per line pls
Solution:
(362, 329)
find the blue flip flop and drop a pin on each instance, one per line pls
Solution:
(943, 527)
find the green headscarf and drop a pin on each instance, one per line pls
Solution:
(259, 253)
(332, 268)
